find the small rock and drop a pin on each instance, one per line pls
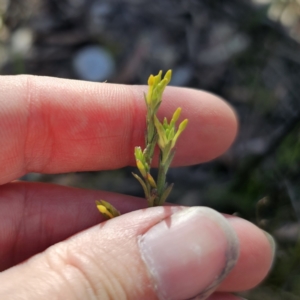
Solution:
(93, 63)
(181, 75)
(21, 40)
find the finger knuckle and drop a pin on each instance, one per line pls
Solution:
(83, 277)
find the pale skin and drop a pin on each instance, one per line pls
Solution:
(50, 125)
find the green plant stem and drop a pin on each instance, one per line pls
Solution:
(151, 138)
(161, 181)
(149, 199)
(150, 141)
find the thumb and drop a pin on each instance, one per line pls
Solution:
(159, 252)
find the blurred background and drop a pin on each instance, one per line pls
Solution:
(245, 51)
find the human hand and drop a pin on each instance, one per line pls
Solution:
(50, 125)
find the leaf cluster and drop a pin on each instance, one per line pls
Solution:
(162, 134)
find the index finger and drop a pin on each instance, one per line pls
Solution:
(51, 125)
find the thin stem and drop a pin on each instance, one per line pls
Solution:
(151, 139)
(161, 180)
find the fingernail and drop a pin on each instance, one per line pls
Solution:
(189, 253)
(271, 242)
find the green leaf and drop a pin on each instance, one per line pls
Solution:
(166, 152)
(140, 180)
(165, 123)
(161, 178)
(162, 140)
(145, 98)
(169, 160)
(139, 154)
(171, 134)
(155, 109)
(165, 194)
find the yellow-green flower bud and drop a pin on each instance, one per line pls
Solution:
(168, 76)
(176, 116)
(141, 168)
(151, 80)
(157, 78)
(181, 127)
(104, 211)
(151, 180)
(107, 209)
